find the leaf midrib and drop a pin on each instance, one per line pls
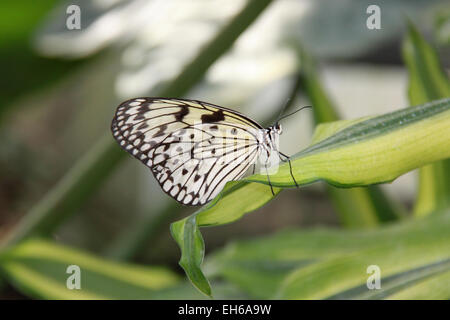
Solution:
(374, 127)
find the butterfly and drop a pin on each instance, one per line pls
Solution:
(194, 148)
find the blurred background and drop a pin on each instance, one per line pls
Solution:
(60, 87)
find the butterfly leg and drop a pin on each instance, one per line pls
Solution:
(268, 179)
(290, 165)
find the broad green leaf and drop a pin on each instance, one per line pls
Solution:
(233, 205)
(38, 269)
(411, 256)
(86, 176)
(259, 266)
(323, 131)
(399, 282)
(373, 150)
(431, 288)
(357, 207)
(427, 81)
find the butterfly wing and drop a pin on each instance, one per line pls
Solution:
(193, 148)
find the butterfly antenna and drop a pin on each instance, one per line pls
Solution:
(290, 114)
(286, 105)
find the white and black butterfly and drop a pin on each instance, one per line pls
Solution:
(192, 147)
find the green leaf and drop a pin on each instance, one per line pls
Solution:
(403, 259)
(374, 150)
(431, 288)
(427, 81)
(327, 263)
(38, 269)
(82, 180)
(233, 205)
(399, 282)
(188, 237)
(357, 207)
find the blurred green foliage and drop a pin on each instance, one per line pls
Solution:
(357, 207)
(413, 254)
(327, 264)
(427, 81)
(18, 62)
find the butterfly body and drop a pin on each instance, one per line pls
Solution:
(192, 147)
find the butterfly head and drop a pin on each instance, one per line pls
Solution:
(272, 135)
(274, 131)
(277, 128)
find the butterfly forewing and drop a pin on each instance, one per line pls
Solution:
(193, 148)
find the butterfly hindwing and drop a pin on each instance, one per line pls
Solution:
(192, 148)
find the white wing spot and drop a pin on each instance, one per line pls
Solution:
(167, 185)
(174, 191)
(181, 195)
